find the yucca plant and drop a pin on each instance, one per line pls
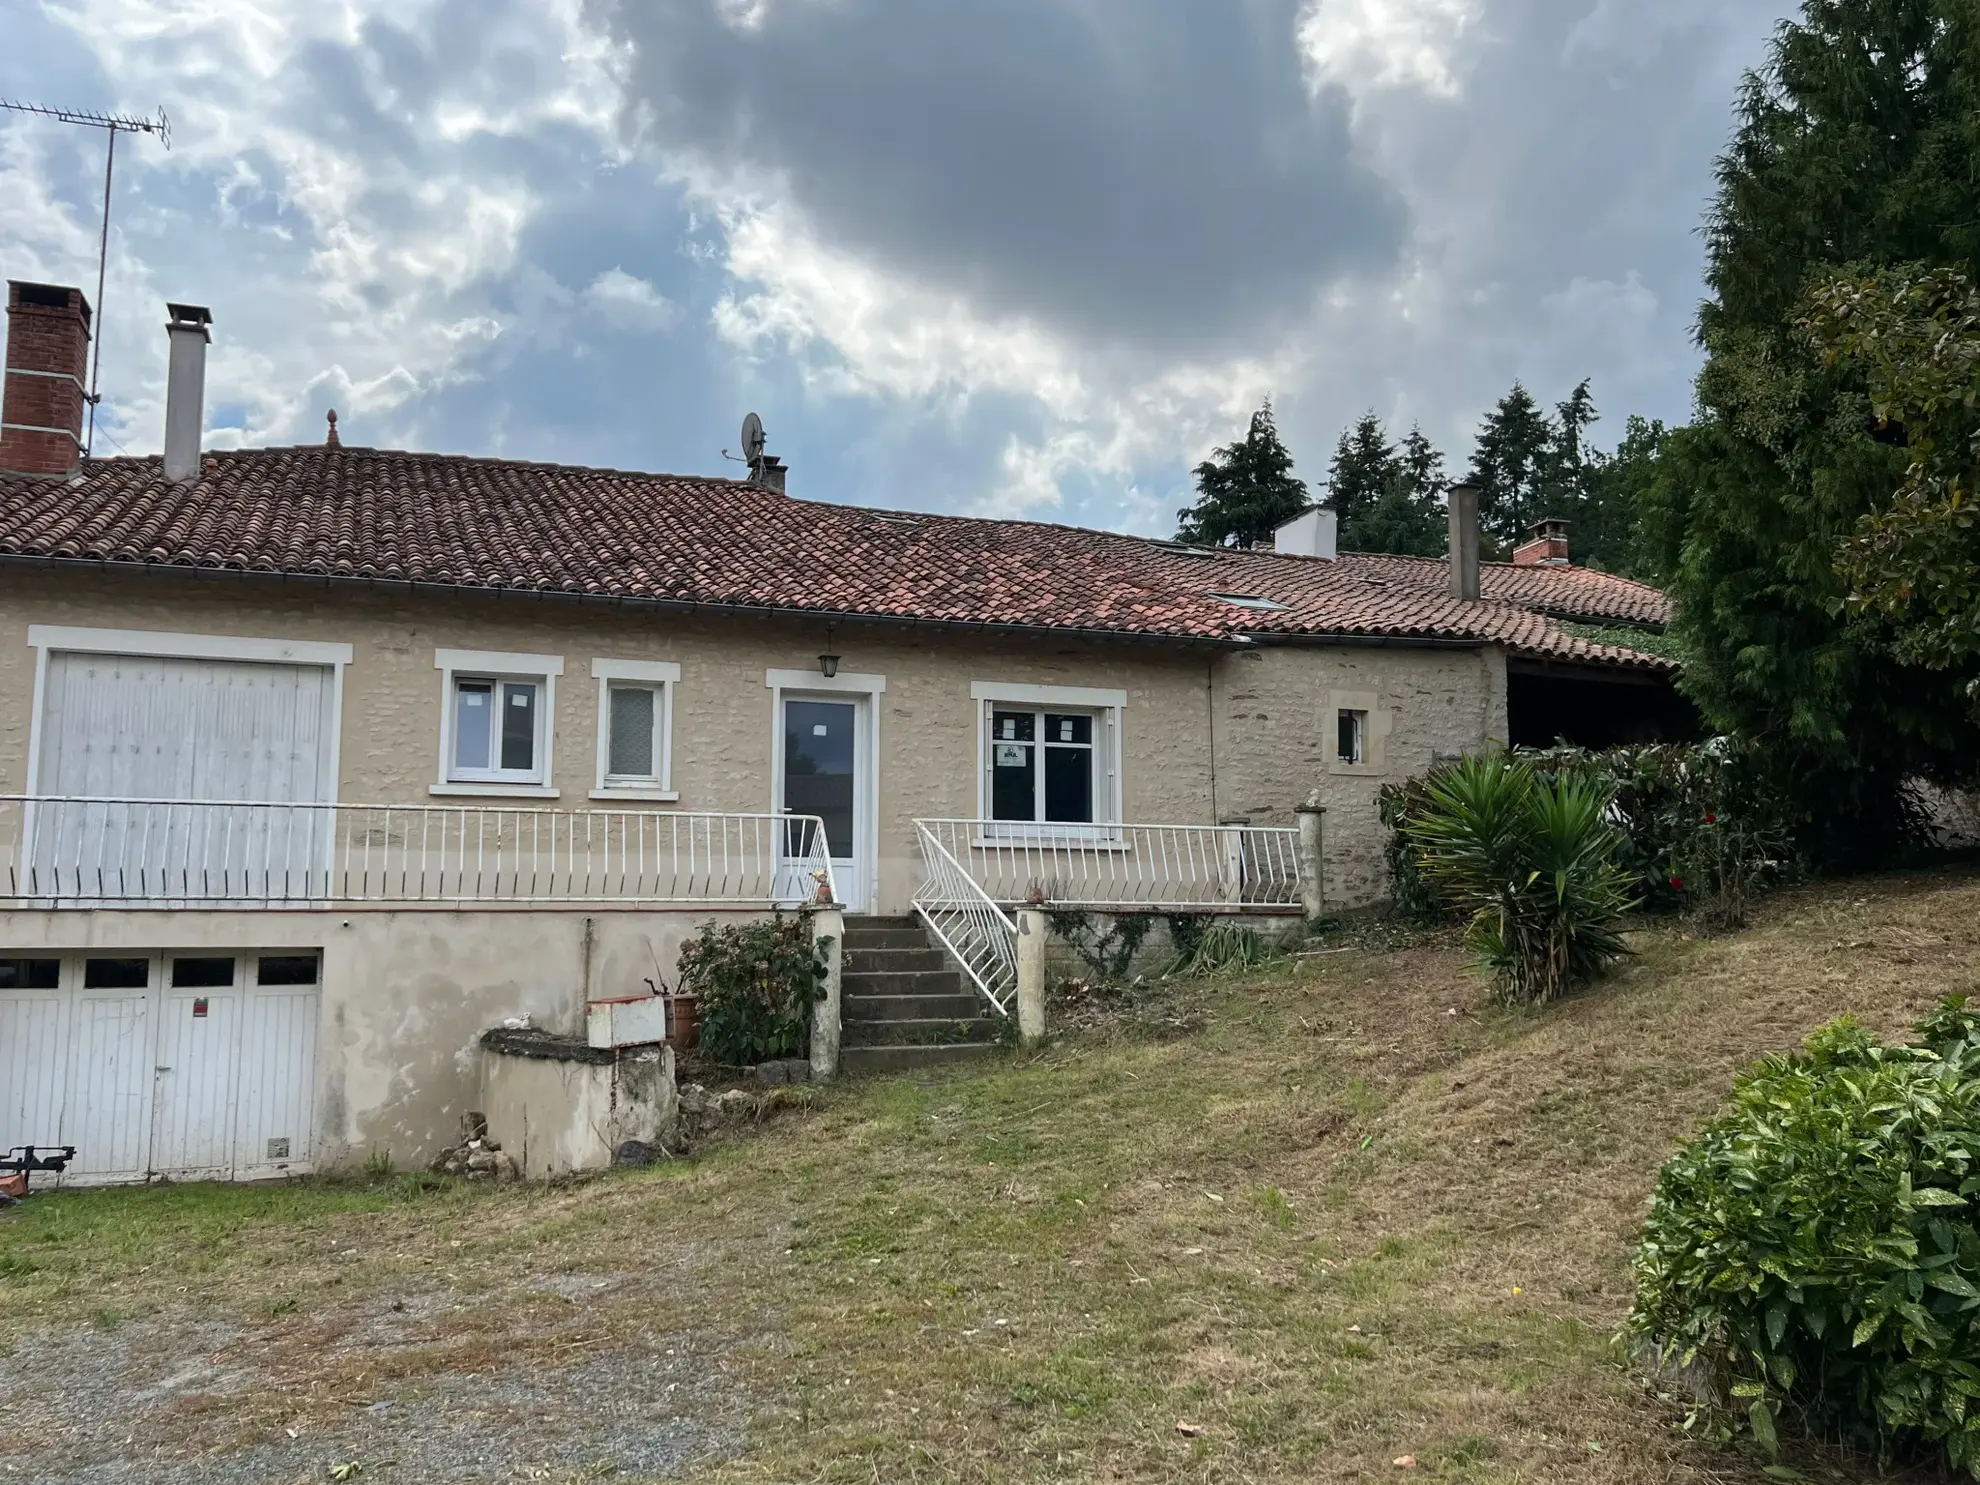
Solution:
(1533, 860)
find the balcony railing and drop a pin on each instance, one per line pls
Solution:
(59, 851)
(1177, 868)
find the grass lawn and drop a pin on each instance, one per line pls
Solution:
(1326, 1216)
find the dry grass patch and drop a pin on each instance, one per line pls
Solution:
(1354, 1214)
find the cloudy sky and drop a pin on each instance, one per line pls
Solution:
(1026, 257)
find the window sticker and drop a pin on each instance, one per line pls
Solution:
(1011, 755)
(819, 729)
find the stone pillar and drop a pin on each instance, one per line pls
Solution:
(828, 932)
(1312, 864)
(1031, 930)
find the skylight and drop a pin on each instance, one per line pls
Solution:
(1247, 600)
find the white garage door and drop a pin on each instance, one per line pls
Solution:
(194, 1066)
(153, 728)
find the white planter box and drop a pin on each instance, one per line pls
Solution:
(633, 1021)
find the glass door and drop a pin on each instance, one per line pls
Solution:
(822, 775)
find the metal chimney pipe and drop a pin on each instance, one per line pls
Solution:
(185, 389)
(1464, 539)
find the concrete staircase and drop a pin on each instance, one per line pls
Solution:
(904, 1001)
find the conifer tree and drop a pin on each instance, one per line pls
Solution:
(1511, 465)
(1245, 491)
(1364, 468)
(1409, 518)
(1854, 148)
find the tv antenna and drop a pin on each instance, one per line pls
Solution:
(752, 442)
(112, 124)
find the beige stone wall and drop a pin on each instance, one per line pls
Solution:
(1273, 707)
(406, 995)
(390, 748)
(1276, 738)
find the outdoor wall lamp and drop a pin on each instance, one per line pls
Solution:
(828, 664)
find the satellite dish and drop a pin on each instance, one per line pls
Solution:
(752, 438)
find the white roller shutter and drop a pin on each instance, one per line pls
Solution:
(148, 727)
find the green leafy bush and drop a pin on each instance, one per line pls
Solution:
(1815, 1247)
(1705, 826)
(757, 983)
(1531, 857)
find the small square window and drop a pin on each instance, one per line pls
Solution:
(1353, 736)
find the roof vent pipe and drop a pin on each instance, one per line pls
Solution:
(185, 389)
(1464, 539)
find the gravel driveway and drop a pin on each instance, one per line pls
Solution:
(553, 1394)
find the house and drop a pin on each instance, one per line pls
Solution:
(317, 761)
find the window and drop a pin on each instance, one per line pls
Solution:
(1049, 755)
(202, 974)
(1353, 731)
(635, 721)
(286, 969)
(116, 974)
(496, 729)
(30, 974)
(1247, 600)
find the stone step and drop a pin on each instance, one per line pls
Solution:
(859, 939)
(869, 961)
(961, 1006)
(901, 1058)
(900, 982)
(934, 1032)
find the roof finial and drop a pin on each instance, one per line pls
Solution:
(333, 440)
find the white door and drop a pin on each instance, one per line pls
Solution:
(34, 1065)
(196, 1067)
(823, 767)
(106, 1106)
(144, 727)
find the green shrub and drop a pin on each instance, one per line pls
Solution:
(1705, 826)
(1815, 1246)
(1532, 859)
(757, 983)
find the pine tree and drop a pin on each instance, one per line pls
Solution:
(1606, 523)
(1853, 148)
(1245, 491)
(1511, 466)
(1409, 518)
(1364, 468)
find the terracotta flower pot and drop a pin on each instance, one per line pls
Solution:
(683, 1022)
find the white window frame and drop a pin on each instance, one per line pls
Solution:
(660, 677)
(498, 665)
(1108, 707)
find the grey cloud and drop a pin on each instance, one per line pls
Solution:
(1145, 175)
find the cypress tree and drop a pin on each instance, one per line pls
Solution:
(1854, 147)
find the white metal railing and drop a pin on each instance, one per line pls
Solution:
(70, 850)
(1182, 868)
(973, 928)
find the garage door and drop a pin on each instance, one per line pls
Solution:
(190, 1066)
(152, 728)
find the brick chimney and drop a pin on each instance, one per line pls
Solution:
(41, 400)
(1548, 546)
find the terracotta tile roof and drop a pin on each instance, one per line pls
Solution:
(445, 520)
(1563, 591)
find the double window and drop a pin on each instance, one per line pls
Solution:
(496, 728)
(1050, 757)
